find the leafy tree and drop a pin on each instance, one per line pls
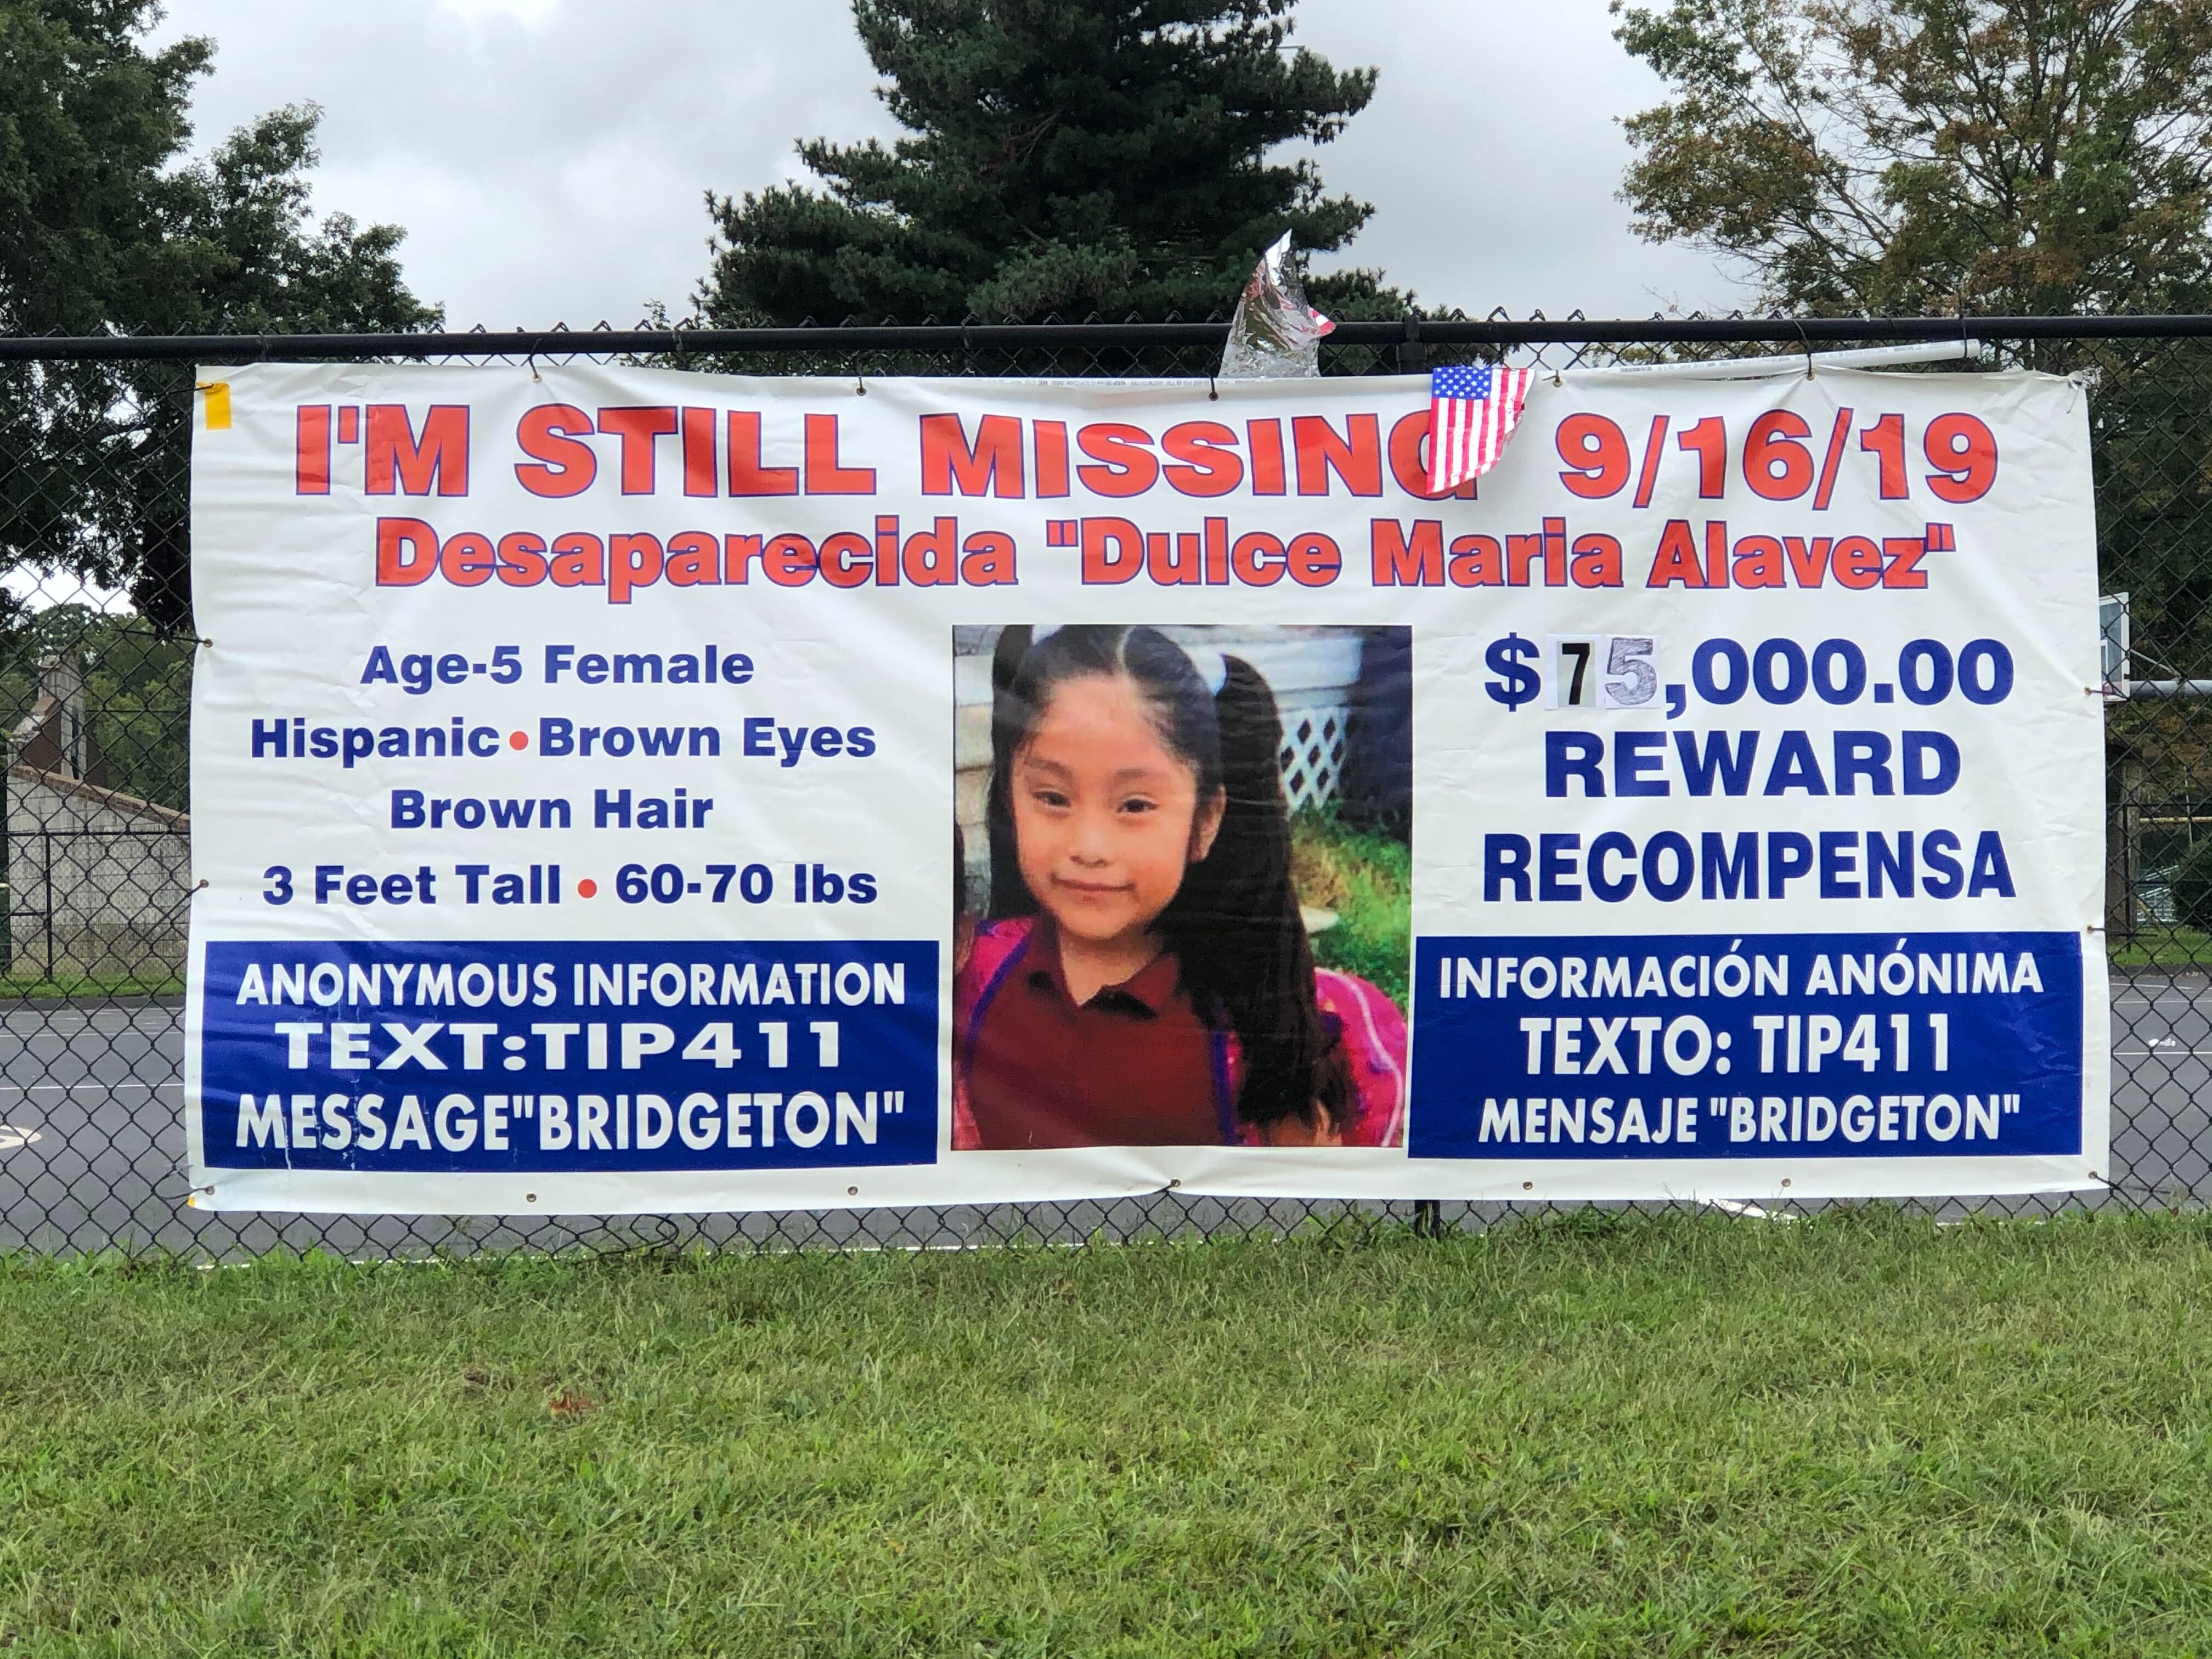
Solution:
(1900, 156)
(135, 690)
(1065, 157)
(105, 228)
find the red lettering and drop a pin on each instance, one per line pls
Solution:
(640, 430)
(1708, 441)
(1265, 441)
(468, 559)
(579, 560)
(1206, 453)
(1964, 452)
(522, 559)
(747, 476)
(1127, 463)
(1596, 450)
(887, 549)
(991, 465)
(1051, 457)
(1315, 557)
(1758, 563)
(789, 561)
(825, 474)
(928, 556)
(1597, 560)
(1905, 553)
(698, 451)
(1173, 561)
(563, 465)
(987, 560)
(1808, 560)
(437, 463)
(1477, 562)
(1676, 561)
(1113, 551)
(310, 454)
(739, 553)
(1522, 553)
(847, 559)
(1399, 560)
(1355, 458)
(406, 552)
(692, 559)
(633, 562)
(1258, 559)
(1856, 562)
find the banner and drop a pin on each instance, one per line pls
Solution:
(619, 790)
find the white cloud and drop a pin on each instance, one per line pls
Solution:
(532, 14)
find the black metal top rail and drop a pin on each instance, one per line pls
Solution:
(958, 337)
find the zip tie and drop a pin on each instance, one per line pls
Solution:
(530, 363)
(859, 387)
(1212, 392)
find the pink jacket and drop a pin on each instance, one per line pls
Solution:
(1373, 1030)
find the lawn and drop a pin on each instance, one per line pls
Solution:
(1856, 1434)
(90, 987)
(1367, 880)
(2159, 947)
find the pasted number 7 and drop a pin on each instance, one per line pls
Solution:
(1603, 671)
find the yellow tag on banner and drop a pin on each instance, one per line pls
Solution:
(218, 405)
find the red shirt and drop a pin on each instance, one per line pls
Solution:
(1133, 1067)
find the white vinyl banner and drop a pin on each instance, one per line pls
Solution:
(618, 790)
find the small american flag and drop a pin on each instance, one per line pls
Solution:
(1472, 412)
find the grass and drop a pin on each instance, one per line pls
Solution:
(1856, 1434)
(2159, 946)
(1368, 880)
(86, 986)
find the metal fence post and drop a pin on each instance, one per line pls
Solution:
(1412, 357)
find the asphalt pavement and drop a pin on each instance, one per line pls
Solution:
(92, 1149)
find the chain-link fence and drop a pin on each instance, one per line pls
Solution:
(96, 647)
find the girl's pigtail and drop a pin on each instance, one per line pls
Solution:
(1010, 720)
(1236, 928)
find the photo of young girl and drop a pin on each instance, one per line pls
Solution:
(1142, 975)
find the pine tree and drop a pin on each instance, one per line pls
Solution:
(1067, 157)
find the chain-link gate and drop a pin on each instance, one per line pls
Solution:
(96, 647)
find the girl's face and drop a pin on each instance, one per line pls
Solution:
(1106, 817)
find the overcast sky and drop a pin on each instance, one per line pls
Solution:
(549, 158)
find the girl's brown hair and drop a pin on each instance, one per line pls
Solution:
(1234, 924)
